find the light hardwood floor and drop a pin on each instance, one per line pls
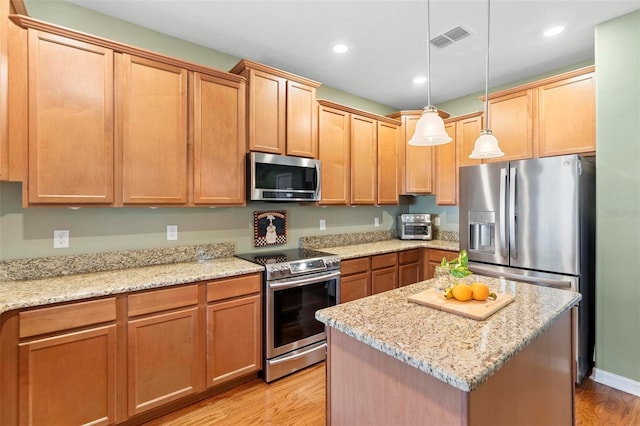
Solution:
(299, 399)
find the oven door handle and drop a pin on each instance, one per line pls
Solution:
(304, 281)
(296, 354)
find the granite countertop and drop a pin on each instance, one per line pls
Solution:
(29, 293)
(459, 351)
(388, 246)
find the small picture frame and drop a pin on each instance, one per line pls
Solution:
(269, 228)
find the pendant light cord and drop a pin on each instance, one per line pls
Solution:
(428, 56)
(486, 75)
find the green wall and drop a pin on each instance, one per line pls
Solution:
(618, 196)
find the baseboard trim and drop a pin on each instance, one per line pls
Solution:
(615, 381)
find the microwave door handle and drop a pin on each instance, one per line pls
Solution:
(318, 186)
(503, 212)
(513, 191)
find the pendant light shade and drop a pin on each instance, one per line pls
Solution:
(430, 128)
(486, 145)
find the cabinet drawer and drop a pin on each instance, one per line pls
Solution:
(436, 255)
(233, 287)
(162, 300)
(384, 260)
(353, 266)
(58, 318)
(409, 256)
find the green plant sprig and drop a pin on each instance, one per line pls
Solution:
(457, 267)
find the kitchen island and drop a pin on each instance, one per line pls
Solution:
(392, 362)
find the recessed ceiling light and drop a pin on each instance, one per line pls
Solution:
(554, 31)
(340, 48)
(420, 79)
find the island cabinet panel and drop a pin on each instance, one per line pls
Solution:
(387, 160)
(70, 121)
(219, 146)
(334, 143)
(163, 345)
(67, 369)
(355, 279)
(566, 116)
(533, 388)
(511, 120)
(409, 264)
(364, 182)
(234, 328)
(154, 132)
(384, 272)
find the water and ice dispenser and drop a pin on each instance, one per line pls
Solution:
(482, 231)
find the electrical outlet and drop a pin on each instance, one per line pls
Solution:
(172, 232)
(61, 238)
(376, 221)
(323, 224)
(436, 221)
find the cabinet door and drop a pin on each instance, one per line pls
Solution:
(267, 112)
(69, 379)
(355, 286)
(302, 120)
(363, 160)
(334, 151)
(408, 274)
(162, 359)
(446, 170)
(418, 176)
(234, 343)
(566, 116)
(467, 131)
(70, 121)
(154, 132)
(511, 120)
(387, 164)
(218, 141)
(433, 258)
(4, 90)
(384, 279)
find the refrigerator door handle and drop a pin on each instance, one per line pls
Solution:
(503, 212)
(513, 184)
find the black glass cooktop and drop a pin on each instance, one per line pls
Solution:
(290, 255)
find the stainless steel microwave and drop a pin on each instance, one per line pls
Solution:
(272, 177)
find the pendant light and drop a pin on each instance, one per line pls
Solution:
(430, 128)
(486, 145)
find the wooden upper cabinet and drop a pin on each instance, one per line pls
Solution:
(446, 169)
(282, 110)
(511, 120)
(154, 132)
(334, 142)
(4, 90)
(566, 116)
(218, 123)
(363, 160)
(70, 121)
(388, 135)
(468, 129)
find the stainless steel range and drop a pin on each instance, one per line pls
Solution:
(297, 283)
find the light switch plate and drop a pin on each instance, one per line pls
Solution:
(376, 221)
(323, 224)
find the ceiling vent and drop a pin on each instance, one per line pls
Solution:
(450, 37)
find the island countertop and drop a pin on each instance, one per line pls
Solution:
(460, 351)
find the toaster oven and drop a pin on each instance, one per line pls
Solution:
(414, 226)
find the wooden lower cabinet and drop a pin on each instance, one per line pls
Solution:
(355, 279)
(162, 359)
(432, 258)
(67, 364)
(408, 267)
(384, 272)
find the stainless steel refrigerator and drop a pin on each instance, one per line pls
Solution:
(534, 221)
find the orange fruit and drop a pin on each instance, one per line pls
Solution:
(462, 292)
(480, 291)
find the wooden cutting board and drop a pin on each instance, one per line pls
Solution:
(473, 309)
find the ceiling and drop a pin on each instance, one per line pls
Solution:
(387, 39)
